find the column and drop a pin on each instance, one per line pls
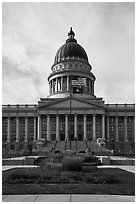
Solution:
(17, 129)
(75, 126)
(52, 86)
(8, 130)
(48, 127)
(56, 86)
(66, 126)
(39, 127)
(103, 126)
(117, 129)
(34, 129)
(26, 129)
(108, 128)
(92, 87)
(94, 127)
(125, 128)
(133, 128)
(67, 83)
(61, 83)
(57, 127)
(85, 127)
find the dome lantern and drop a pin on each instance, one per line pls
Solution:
(71, 34)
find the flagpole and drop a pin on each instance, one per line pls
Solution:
(70, 111)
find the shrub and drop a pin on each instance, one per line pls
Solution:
(72, 163)
(88, 159)
(40, 161)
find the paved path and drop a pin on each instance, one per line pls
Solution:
(126, 168)
(67, 198)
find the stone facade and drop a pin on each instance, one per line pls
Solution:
(71, 110)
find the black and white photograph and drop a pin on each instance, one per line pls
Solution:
(68, 101)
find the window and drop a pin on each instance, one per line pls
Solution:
(53, 127)
(129, 120)
(62, 127)
(120, 128)
(89, 127)
(111, 119)
(98, 127)
(129, 128)
(111, 128)
(53, 119)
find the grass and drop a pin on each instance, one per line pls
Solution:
(51, 179)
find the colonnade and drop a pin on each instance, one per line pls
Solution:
(39, 129)
(67, 126)
(18, 129)
(56, 85)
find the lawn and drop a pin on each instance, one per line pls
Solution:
(52, 179)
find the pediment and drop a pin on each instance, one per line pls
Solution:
(73, 102)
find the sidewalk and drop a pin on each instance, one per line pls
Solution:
(126, 168)
(67, 198)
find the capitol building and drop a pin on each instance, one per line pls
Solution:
(72, 111)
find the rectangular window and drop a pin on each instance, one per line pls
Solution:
(89, 127)
(129, 128)
(129, 120)
(111, 128)
(111, 119)
(120, 128)
(53, 127)
(98, 127)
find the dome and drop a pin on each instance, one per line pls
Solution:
(71, 49)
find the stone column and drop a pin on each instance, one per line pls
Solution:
(89, 84)
(8, 130)
(93, 87)
(57, 127)
(108, 139)
(34, 129)
(56, 86)
(26, 129)
(39, 126)
(125, 128)
(103, 126)
(67, 83)
(48, 127)
(117, 140)
(52, 86)
(85, 127)
(94, 127)
(66, 126)
(133, 128)
(61, 83)
(17, 129)
(75, 126)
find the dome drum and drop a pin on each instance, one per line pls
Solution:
(75, 84)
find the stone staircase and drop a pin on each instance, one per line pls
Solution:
(76, 146)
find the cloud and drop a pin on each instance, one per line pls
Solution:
(33, 32)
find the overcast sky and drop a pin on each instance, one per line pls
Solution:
(33, 32)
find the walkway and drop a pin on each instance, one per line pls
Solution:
(126, 168)
(67, 198)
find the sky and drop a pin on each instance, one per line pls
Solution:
(33, 32)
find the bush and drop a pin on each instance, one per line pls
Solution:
(88, 159)
(40, 161)
(72, 163)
